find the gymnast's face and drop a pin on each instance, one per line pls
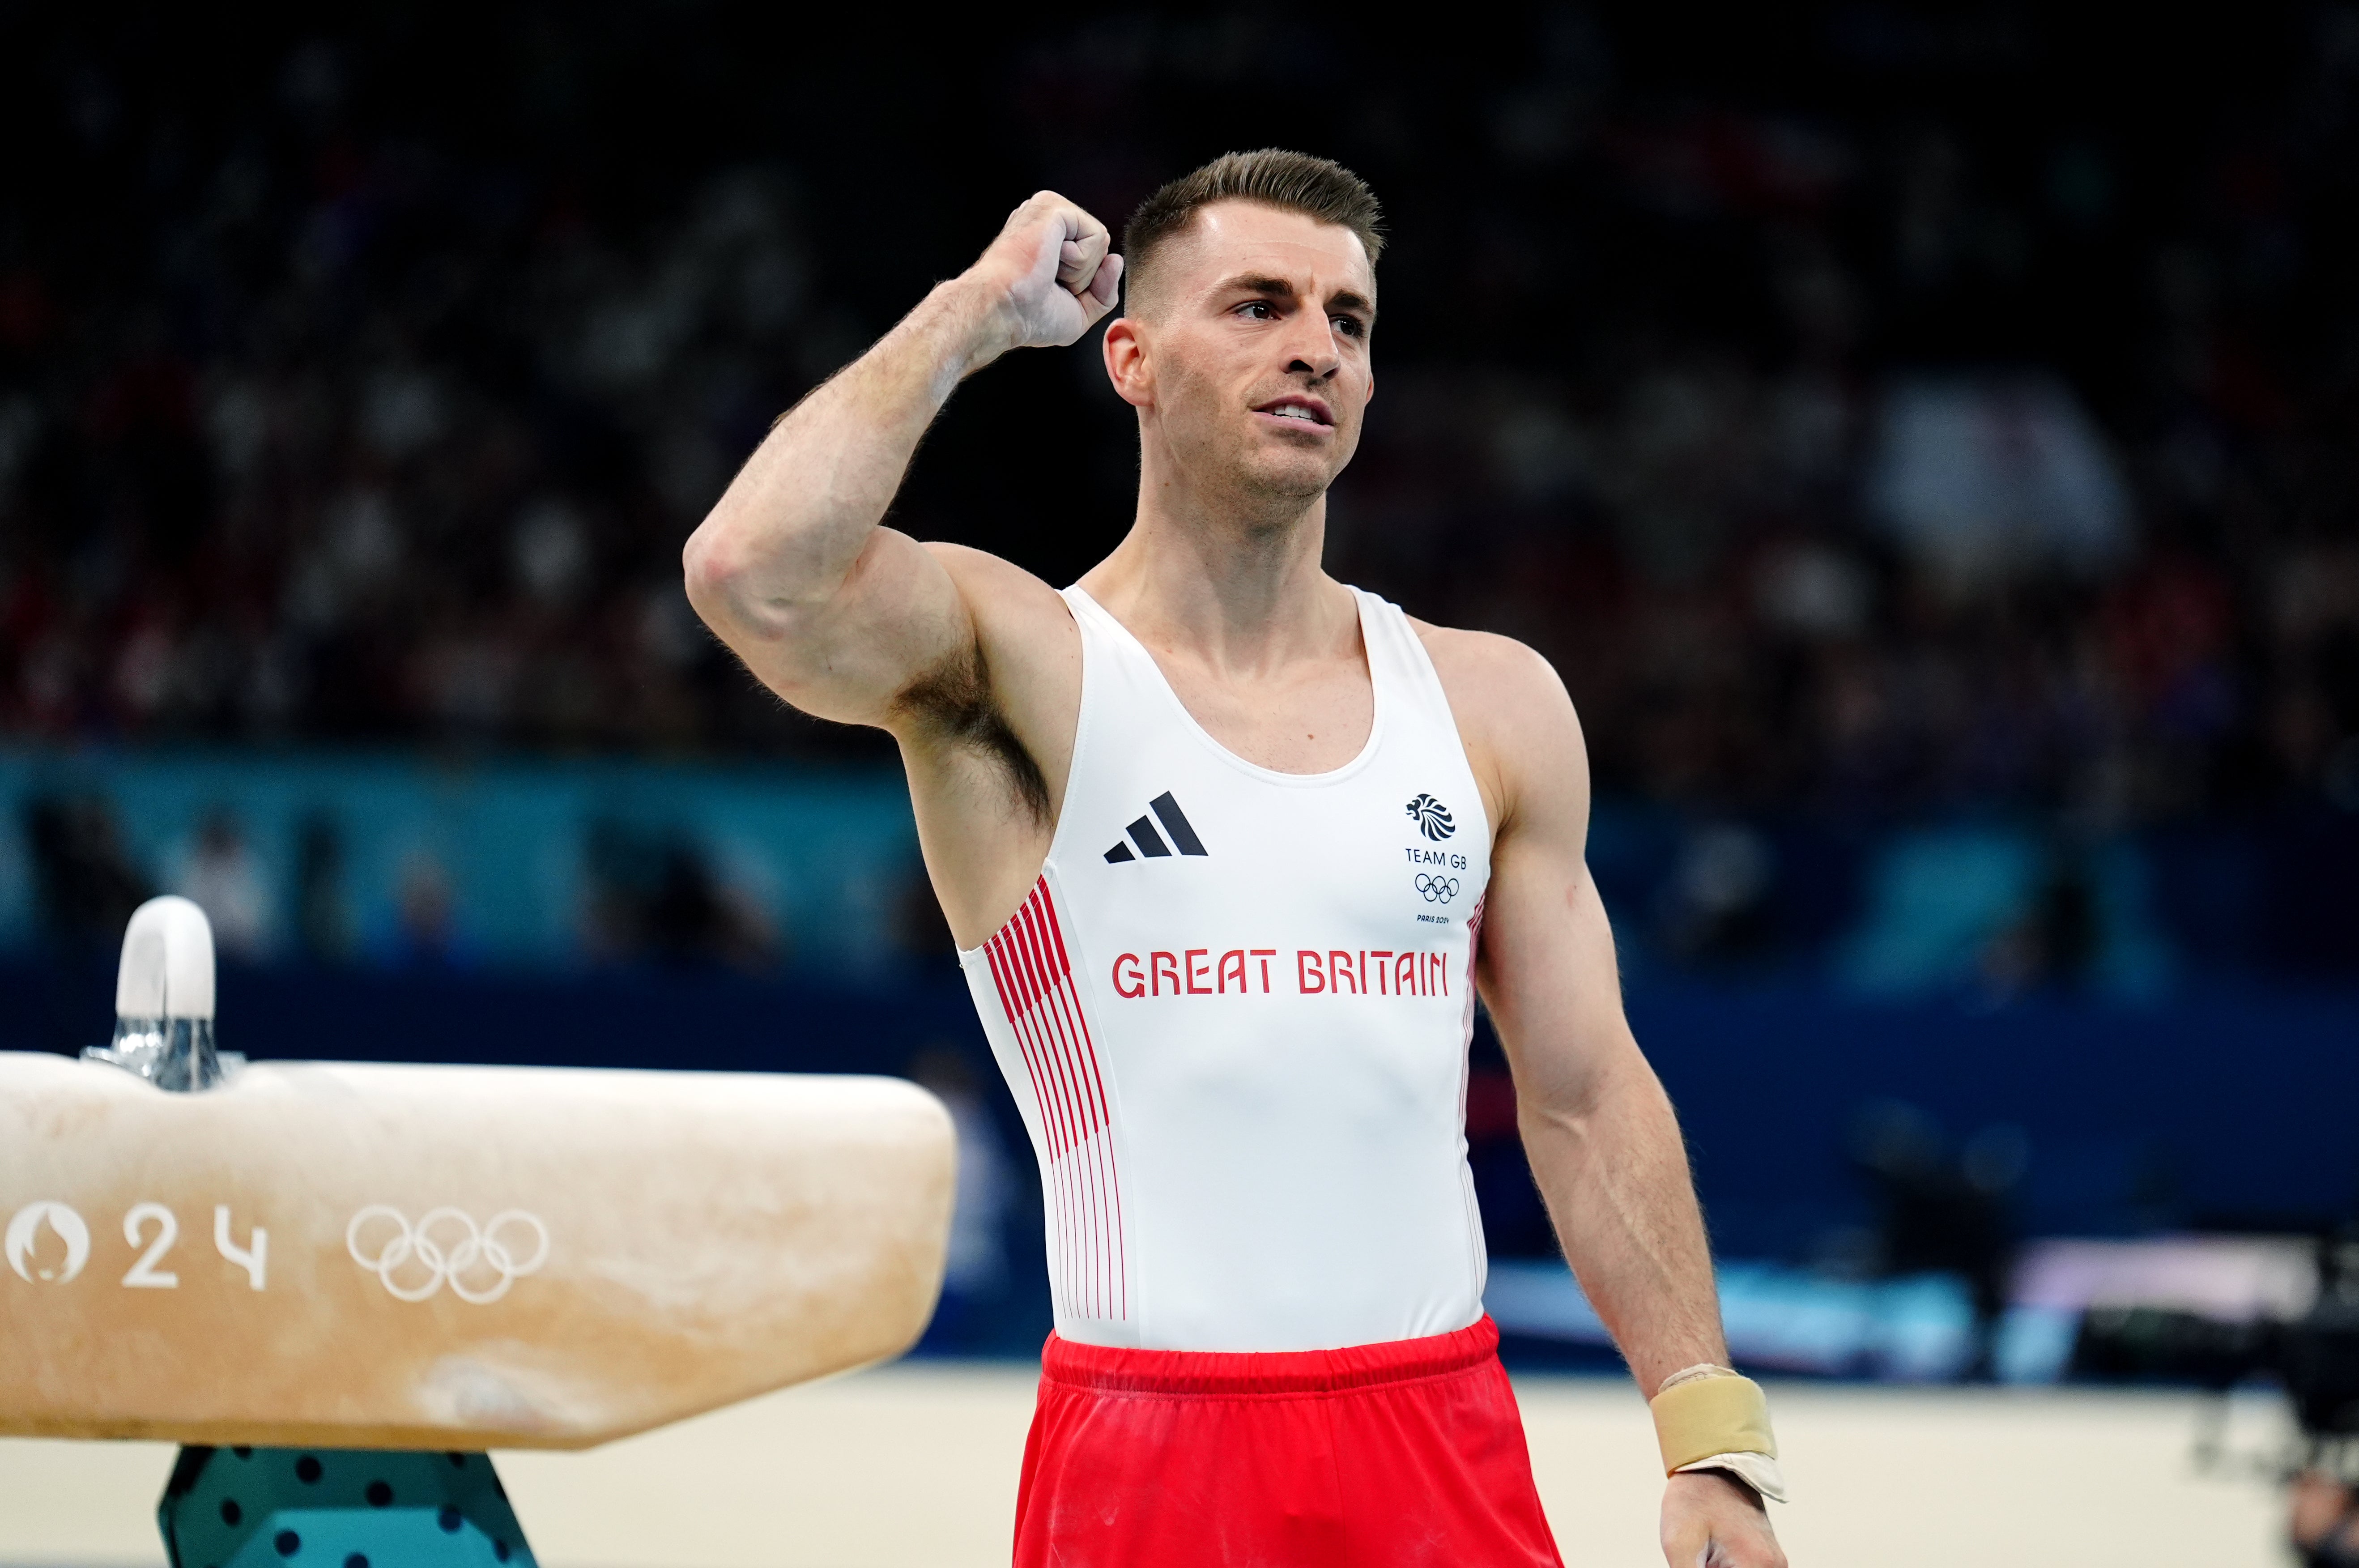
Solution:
(1245, 351)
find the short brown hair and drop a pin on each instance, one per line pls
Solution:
(1318, 188)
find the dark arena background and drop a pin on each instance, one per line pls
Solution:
(1926, 441)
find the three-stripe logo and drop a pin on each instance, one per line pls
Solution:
(1151, 844)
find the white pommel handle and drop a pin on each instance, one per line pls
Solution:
(167, 962)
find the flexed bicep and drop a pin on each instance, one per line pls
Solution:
(889, 620)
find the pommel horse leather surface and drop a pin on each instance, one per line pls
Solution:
(358, 1255)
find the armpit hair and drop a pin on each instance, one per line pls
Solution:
(955, 700)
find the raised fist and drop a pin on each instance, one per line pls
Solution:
(1054, 271)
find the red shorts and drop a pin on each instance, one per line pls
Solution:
(1375, 1456)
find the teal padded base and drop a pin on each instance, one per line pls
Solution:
(331, 1508)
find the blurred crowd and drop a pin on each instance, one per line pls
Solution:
(1871, 416)
(353, 438)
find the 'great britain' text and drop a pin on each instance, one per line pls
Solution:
(1247, 971)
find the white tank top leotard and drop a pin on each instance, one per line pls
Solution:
(1234, 1011)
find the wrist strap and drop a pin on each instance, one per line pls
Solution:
(1714, 1413)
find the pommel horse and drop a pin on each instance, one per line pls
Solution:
(338, 1284)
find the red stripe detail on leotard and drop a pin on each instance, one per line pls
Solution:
(1034, 977)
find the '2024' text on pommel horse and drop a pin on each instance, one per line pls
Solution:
(338, 1284)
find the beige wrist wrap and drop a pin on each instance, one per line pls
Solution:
(1704, 1415)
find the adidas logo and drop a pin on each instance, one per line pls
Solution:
(1150, 844)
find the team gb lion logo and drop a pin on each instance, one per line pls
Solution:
(1432, 817)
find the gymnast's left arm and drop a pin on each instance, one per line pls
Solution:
(1598, 1128)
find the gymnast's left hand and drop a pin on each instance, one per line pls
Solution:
(1712, 1519)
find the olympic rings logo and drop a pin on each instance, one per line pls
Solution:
(1436, 889)
(446, 1247)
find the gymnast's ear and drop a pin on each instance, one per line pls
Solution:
(1127, 360)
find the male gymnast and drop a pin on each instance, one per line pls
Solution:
(1229, 849)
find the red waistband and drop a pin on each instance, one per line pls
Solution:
(1118, 1369)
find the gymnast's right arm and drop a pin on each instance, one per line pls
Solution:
(835, 613)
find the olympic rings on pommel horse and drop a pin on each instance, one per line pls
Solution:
(651, 1245)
